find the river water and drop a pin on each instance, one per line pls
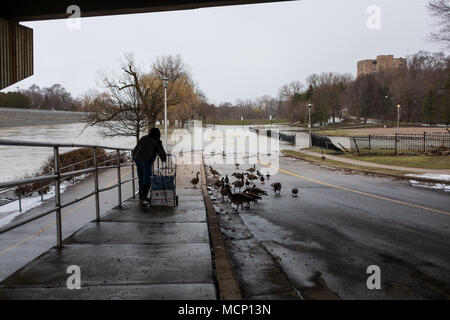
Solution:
(16, 162)
(238, 143)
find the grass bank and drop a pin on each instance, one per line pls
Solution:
(342, 165)
(410, 161)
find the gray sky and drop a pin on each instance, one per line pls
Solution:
(234, 52)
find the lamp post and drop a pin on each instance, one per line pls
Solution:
(165, 83)
(309, 105)
(242, 121)
(270, 117)
(398, 117)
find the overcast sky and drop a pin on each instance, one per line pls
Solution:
(234, 52)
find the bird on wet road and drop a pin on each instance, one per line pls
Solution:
(276, 187)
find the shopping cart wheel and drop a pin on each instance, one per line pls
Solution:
(176, 201)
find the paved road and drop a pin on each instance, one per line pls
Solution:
(23, 244)
(341, 223)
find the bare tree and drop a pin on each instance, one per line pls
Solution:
(136, 98)
(440, 9)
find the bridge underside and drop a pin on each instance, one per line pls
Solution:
(16, 41)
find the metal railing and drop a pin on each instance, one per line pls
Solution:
(400, 143)
(41, 190)
(57, 175)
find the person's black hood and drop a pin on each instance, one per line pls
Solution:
(155, 133)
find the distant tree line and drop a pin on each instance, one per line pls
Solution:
(55, 97)
(14, 100)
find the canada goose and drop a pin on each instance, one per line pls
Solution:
(218, 183)
(227, 181)
(224, 154)
(238, 184)
(214, 172)
(252, 169)
(223, 191)
(247, 183)
(258, 173)
(195, 180)
(236, 165)
(256, 191)
(238, 175)
(262, 179)
(251, 177)
(295, 192)
(268, 176)
(239, 198)
(276, 187)
(252, 195)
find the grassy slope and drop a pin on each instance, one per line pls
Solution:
(413, 161)
(343, 165)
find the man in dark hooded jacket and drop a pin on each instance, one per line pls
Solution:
(144, 154)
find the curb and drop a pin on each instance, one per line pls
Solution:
(369, 171)
(228, 286)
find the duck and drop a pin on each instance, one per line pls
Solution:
(276, 187)
(195, 180)
(236, 165)
(268, 176)
(224, 154)
(239, 198)
(238, 184)
(294, 192)
(252, 169)
(258, 173)
(214, 172)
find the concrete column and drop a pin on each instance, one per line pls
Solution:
(16, 52)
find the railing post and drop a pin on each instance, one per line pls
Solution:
(97, 198)
(119, 180)
(20, 201)
(424, 141)
(57, 199)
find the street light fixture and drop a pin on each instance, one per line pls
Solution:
(165, 84)
(309, 105)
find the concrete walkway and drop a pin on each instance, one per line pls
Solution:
(136, 252)
(375, 165)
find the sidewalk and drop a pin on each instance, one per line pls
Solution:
(375, 165)
(134, 253)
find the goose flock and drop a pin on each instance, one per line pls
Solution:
(247, 179)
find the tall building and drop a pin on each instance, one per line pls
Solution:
(381, 63)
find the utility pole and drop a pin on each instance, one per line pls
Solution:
(398, 117)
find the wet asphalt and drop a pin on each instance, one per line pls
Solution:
(319, 245)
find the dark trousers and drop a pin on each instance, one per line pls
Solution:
(144, 171)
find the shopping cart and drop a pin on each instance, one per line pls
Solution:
(163, 184)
